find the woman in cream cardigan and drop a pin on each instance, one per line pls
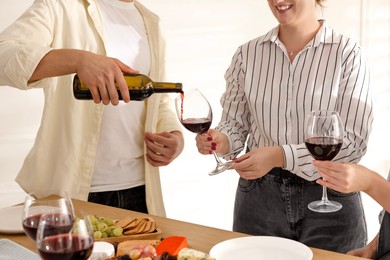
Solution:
(105, 150)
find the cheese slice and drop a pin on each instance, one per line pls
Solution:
(192, 254)
(102, 251)
(172, 245)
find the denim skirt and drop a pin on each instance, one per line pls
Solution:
(276, 205)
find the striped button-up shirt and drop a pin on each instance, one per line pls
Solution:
(267, 97)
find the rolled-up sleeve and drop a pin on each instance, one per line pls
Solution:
(20, 50)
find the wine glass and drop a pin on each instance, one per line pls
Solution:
(59, 237)
(324, 138)
(195, 114)
(34, 208)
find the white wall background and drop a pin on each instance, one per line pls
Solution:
(202, 36)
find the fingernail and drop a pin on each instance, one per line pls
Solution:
(210, 152)
(209, 138)
(213, 144)
(213, 148)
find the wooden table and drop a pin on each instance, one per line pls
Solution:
(199, 237)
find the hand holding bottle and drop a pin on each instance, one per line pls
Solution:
(100, 73)
(139, 86)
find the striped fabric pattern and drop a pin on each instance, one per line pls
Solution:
(267, 97)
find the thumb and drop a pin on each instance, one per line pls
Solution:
(241, 158)
(214, 133)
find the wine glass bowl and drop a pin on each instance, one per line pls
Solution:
(324, 138)
(61, 237)
(195, 114)
(33, 209)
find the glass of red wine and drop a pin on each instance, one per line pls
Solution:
(33, 209)
(195, 114)
(324, 138)
(61, 237)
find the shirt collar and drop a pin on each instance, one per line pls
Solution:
(324, 35)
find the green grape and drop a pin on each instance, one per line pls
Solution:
(109, 232)
(97, 234)
(94, 220)
(102, 226)
(108, 221)
(95, 228)
(117, 231)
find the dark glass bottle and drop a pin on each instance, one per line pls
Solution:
(140, 87)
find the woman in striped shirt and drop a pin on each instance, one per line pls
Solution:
(273, 82)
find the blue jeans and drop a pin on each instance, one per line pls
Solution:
(276, 205)
(131, 199)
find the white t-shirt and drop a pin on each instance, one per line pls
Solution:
(119, 160)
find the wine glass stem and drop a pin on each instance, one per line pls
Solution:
(324, 195)
(217, 157)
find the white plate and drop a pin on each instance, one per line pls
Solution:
(261, 247)
(11, 220)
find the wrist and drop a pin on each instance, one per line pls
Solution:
(283, 157)
(279, 157)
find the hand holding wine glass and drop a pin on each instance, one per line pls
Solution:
(33, 209)
(195, 114)
(324, 138)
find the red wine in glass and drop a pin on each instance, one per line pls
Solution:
(33, 209)
(30, 224)
(66, 246)
(56, 242)
(197, 125)
(324, 135)
(323, 148)
(196, 115)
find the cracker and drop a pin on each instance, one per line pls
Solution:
(124, 222)
(136, 225)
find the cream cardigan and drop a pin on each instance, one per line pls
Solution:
(62, 157)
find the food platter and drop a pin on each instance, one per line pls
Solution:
(127, 228)
(153, 235)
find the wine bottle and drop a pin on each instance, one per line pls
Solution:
(140, 87)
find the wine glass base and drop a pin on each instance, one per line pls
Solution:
(324, 206)
(221, 167)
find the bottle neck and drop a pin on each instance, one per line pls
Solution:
(165, 87)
